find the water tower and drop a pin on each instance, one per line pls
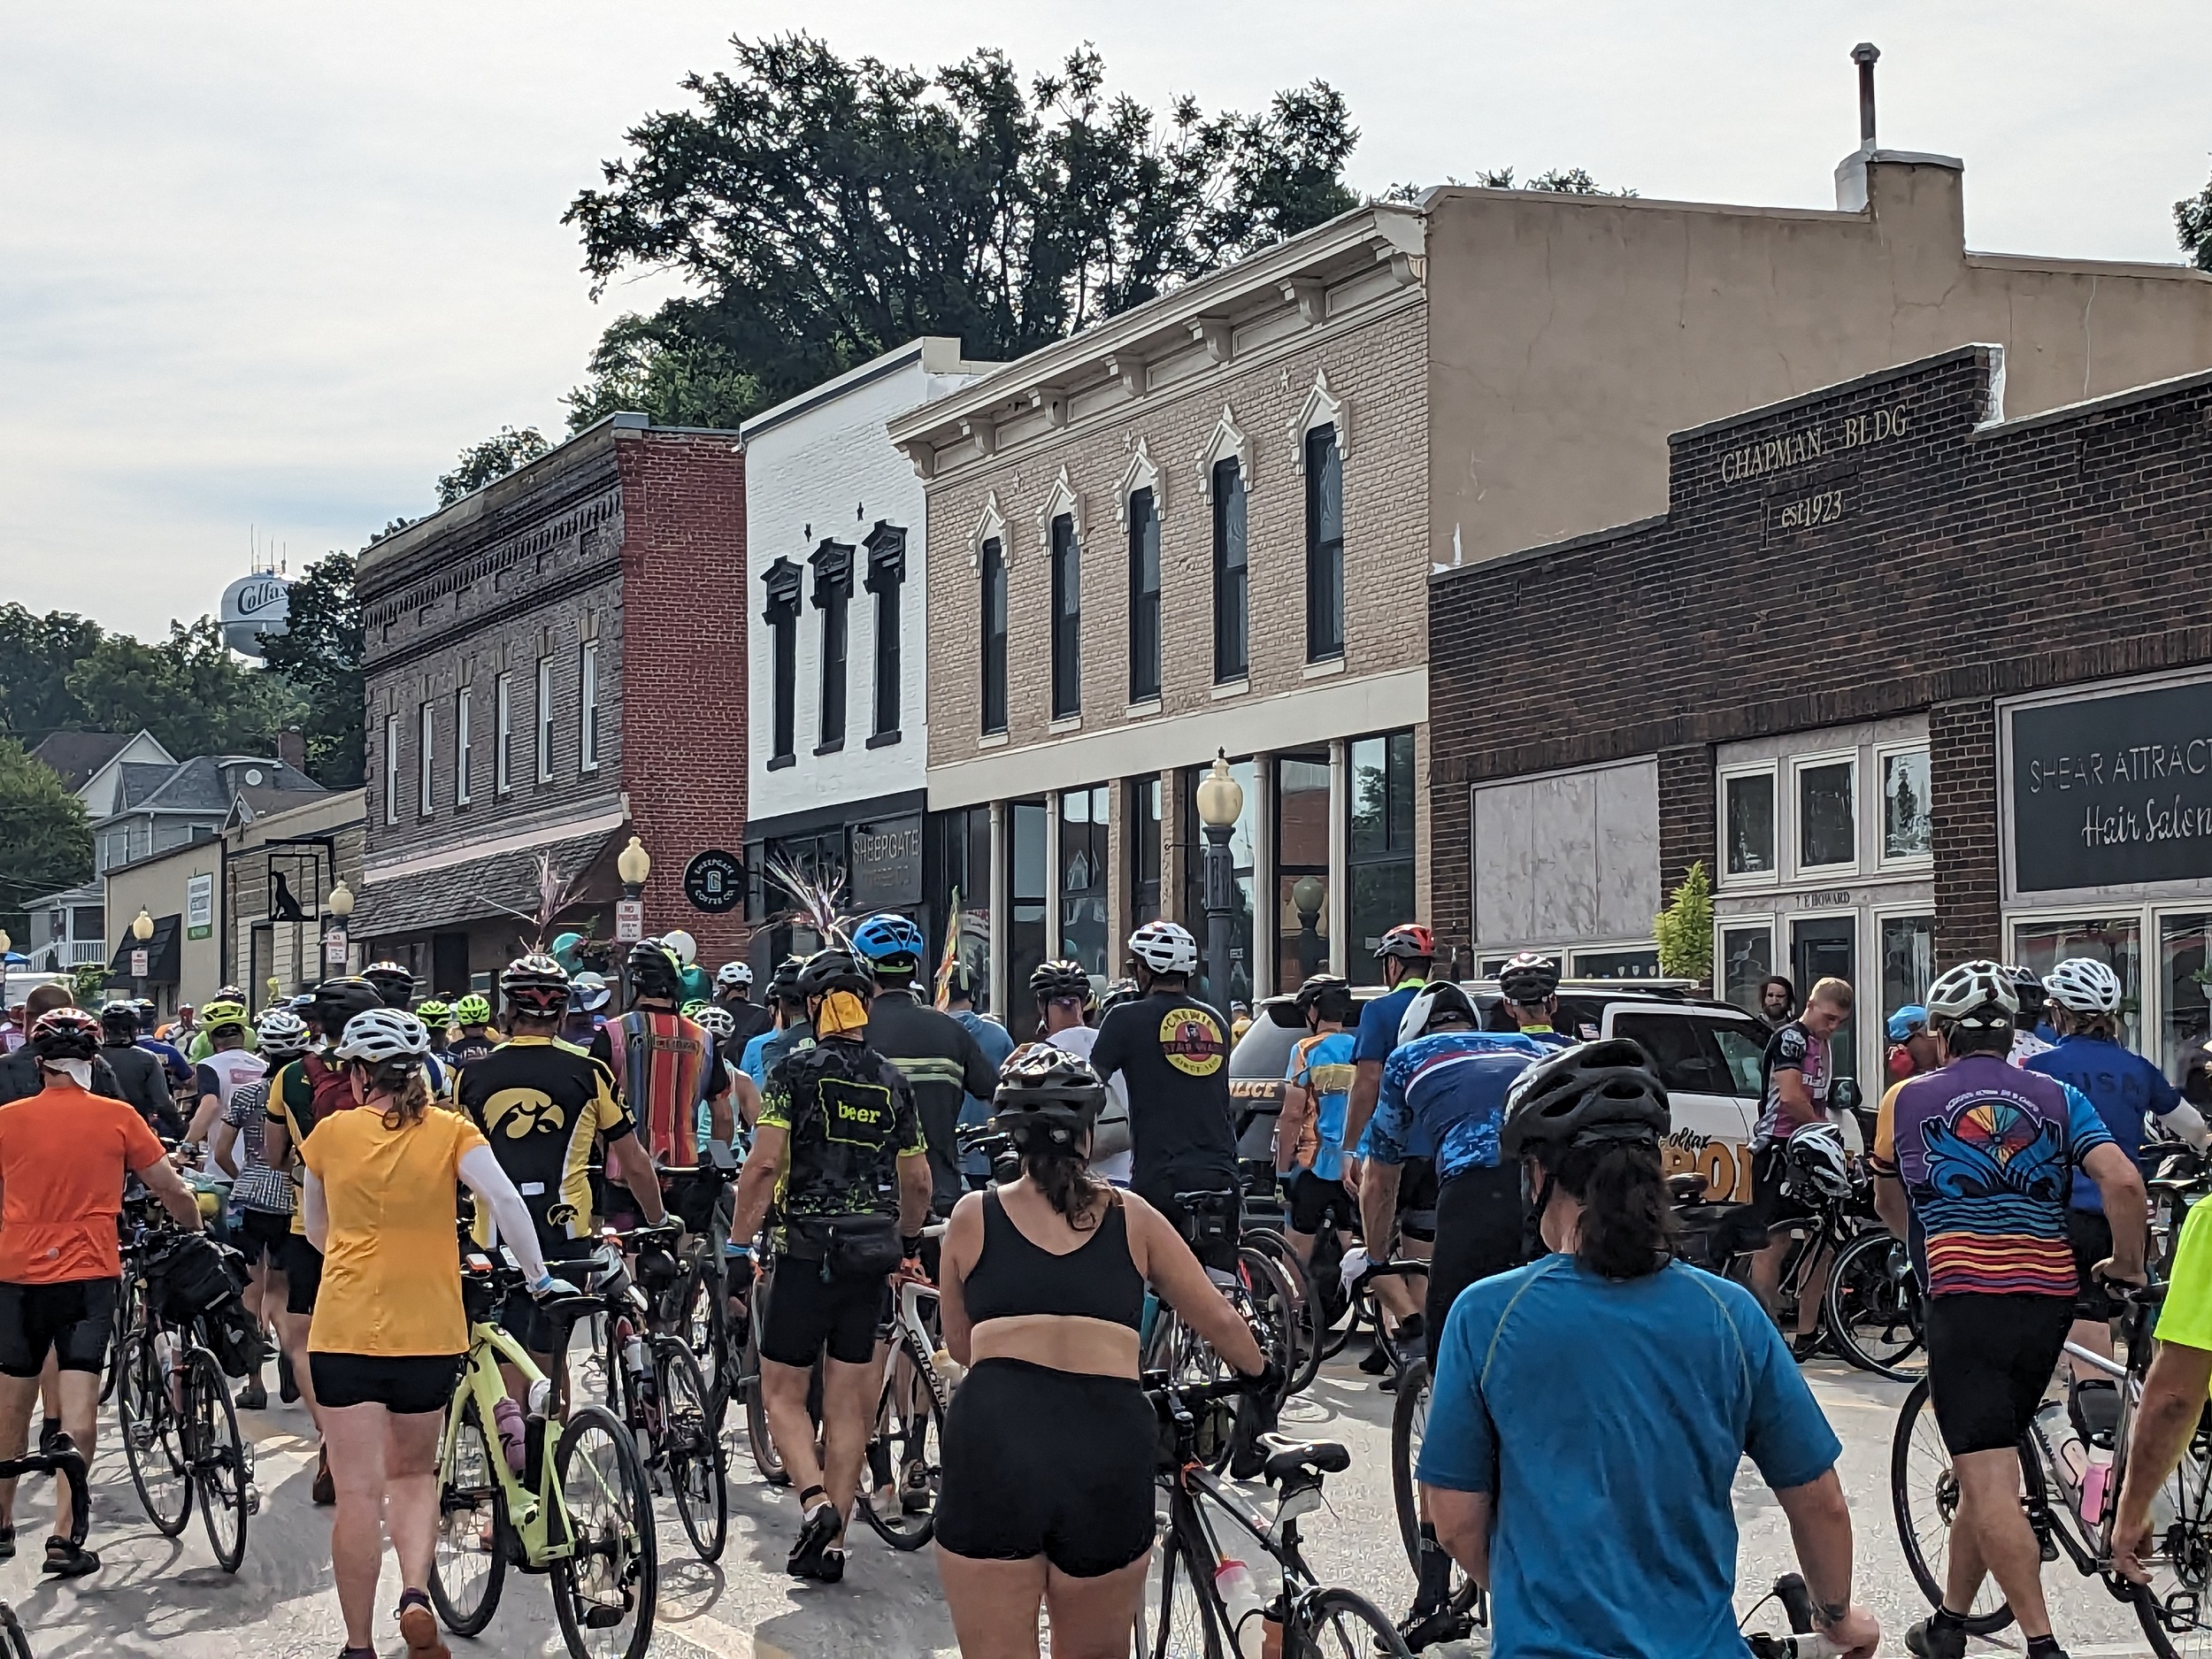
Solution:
(252, 606)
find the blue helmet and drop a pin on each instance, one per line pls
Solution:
(889, 937)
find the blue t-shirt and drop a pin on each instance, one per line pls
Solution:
(1448, 1089)
(996, 1043)
(1379, 1021)
(755, 1062)
(172, 1058)
(2120, 1085)
(1322, 1067)
(1607, 1419)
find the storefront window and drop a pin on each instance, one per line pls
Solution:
(1746, 958)
(1750, 826)
(1242, 846)
(960, 895)
(1301, 867)
(1907, 828)
(1826, 948)
(2115, 940)
(1083, 878)
(1026, 922)
(2185, 967)
(1144, 849)
(1827, 831)
(1908, 960)
(1381, 848)
(1619, 962)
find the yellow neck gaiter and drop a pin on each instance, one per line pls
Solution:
(841, 1012)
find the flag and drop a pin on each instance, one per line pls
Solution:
(951, 958)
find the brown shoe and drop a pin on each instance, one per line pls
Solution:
(418, 1628)
(324, 1492)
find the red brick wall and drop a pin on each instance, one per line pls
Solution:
(683, 667)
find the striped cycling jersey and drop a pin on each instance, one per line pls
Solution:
(659, 1060)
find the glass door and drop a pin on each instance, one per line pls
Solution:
(1826, 948)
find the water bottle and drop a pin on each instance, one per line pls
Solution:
(2062, 1447)
(512, 1441)
(632, 1349)
(2093, 1489)
(170, 1356)
(1242, 1607)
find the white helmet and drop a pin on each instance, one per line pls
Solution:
(716, 1020)
(1164, 947)
(681, 946)
(1977, 994)
(1814, 1155)
(281, 1034)
(2082, 985)
(734, 973)
(382, 1035)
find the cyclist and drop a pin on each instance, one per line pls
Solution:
(1594, 1407)
(1064, 994)
(142, 1079)
(229, 1062)
(2028, 1039)
(661, 1062)
(437, 1015)
(733, 989)
(1912, 1045)
(2124, 1087)
(389, 1333)
(539, 1102)
(1050, 1443)
(764, 1052)
(1171, 1051)
(1528, 999)
(261, 1195)
(64, 1153)
(1407, 953)
(226, 1002)
(1309, 1155)
(838, 1150)
(1795, 1074)
(2174, 1394)
(996, 1043)
(1973, 1163)
(473, 1015)
(931, 1049)
(20, 1074)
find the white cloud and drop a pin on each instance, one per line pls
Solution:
(272, 266)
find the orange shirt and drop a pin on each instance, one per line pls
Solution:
(64, 1153)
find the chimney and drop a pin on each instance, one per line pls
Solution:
(292, 748)
(1864, 55)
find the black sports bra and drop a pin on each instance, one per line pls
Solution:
(1013, 1277)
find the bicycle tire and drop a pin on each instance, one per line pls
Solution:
(1408, 1414)
(1917, 1460)
(2187, 1493)
(142, 1414)
(126, 1312)
(1373, 1633)
(222, 1469)
(1185, 1622)
(906, 1530)
(615, 1542)
(466, 1487)
(1274, 1304)
(1864, 1292)
(19, 1644)
(1310, 1329)
(690, 1451)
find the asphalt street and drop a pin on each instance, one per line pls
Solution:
(154, 1596)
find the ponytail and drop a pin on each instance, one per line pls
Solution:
(407, 1085)
(1058, 1161)
(1627, 1228)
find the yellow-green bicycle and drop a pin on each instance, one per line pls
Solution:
(580, 1511)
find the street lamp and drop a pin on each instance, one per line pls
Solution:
(633, 865)
(340, 903)
(1308, 895)
(141, 930)
(1220, 804)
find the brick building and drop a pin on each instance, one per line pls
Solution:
(554, 663)
(1910, 677)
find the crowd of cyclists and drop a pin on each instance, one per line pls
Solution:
(832, 1141)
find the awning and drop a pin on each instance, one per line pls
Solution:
(496, 888)
(163, 955)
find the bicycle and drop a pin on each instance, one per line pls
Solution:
(1804, 1641)
(580, 1509)
(1259, 1290)
(66, 1462)
(1448, 1605)
(909, 1437)
(1189, 1613)
(2069, 1514)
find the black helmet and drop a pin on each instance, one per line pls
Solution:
(783, 984)
(1579, 1096)
(537, 984)
(395, 985)
(1049, 1090)
(1528, 979)
(119, 1021)
(2033, 995)
(1052, 980)
(827, 971)
(1330, 993)
(1119, 992)
(228, 994)
(653, 971)
(339, 1000)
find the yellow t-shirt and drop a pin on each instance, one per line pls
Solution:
(2186, 1317)
(392, 1261)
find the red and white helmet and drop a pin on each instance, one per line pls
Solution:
(2082, 985)
(65, 1033)
(1164, 947)
(1409, 942)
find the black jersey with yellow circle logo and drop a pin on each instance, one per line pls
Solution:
(540, 1102)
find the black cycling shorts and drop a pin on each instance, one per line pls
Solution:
(302, 1273)
(1048, 1463)
(407, 1384)
(1989, 1360)
(1769, 1172)
(72, 1321)
(262, 1232)
(1417, 1199)
(1313, 1202)
(2090, 1232)
(1478, 1233)
(809, 1315)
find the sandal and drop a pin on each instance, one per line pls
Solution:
(815, 1535)
(65, 1560)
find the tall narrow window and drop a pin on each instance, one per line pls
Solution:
(886, 574)
(832, 563)
(461, 780)
(545, 720)
(1324, 546)
(781, 615)
(1067, 619)
(426, 752)
(502, 729)
(1231, 583)
(994, 636)
(1144, 597)
(587, 706)
(391, 769)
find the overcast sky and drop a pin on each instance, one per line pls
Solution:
(265, 268)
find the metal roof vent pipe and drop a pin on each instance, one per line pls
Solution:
(1864, 55)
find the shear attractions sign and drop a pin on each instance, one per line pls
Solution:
(2114, 790)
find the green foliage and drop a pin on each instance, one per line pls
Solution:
(825, 210)
(89, 984)
(318, 656)
(1686, 928)
(189, 690)
(36, 654)
(1558, 180)
(481, 464)
(2192, 222)
(45, 844)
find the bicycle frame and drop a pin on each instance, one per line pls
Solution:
(533, 1514)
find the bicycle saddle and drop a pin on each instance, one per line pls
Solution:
(1208, 1203)
(1286, 1458)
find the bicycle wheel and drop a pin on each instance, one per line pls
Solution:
(1925, 1495)
(19, 1644)
(125, 1318)
(470, 1563)
(2181, 1528)
(909, 1441)
(1409, 1421)
(692, 1454)
(1342, 1625)
(1274, 1307)
(222, 1464)
(1185, 1624)
(603, 1594)
(1873, 1308)
(153, 1439)
(1309, 1326)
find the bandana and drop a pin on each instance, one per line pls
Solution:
(841, 1012)
(79, 1071)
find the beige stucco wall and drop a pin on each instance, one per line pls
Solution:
(1568, 335)
(159, 885)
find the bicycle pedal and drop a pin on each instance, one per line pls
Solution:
(2049, 1547)
(253, 1500)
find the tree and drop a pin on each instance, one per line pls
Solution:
(318, 656)
(36, 654)
(1558, 180)
(824, 212)
(1685, 928)
(45, 844)
(484, 463)
(2193, 221)
(189, 691)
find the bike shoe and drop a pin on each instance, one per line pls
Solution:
(7, 1543)
(919, 1493)
(1418, 1630)
(325, 1491)
(253, 1396)
(1928, 1639)
(288, 1385)
(65, 1560)
(820, 1527)
(1377, 1361)
(831, 1568)
(48, 1432)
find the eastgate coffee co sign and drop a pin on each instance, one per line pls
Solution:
(2113, 791)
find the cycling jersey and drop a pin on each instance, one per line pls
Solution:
(660, 1062)
(2185, 1315)
(1322, 1065)
(539, 1103)
(997, 1043)
(2120, 1085)
(1082, 1041)
(172, 1061)
(1450, 1086)
(777, 1046)
(1173, 1053)
(2025, 1046)
(471, 1046)
(259, 1187)
(748, 1021)
(1379, 1020)
(754, 1064)
(222, 1072)
(850, 1115)
(145, 1084)
(1791, 1048)
(1987, 1153)
(942, 1063)
(64, 1154)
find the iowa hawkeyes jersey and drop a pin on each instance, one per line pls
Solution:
(539, 1102)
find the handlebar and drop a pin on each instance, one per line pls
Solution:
(1804, 1642)
(1390, 1270)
